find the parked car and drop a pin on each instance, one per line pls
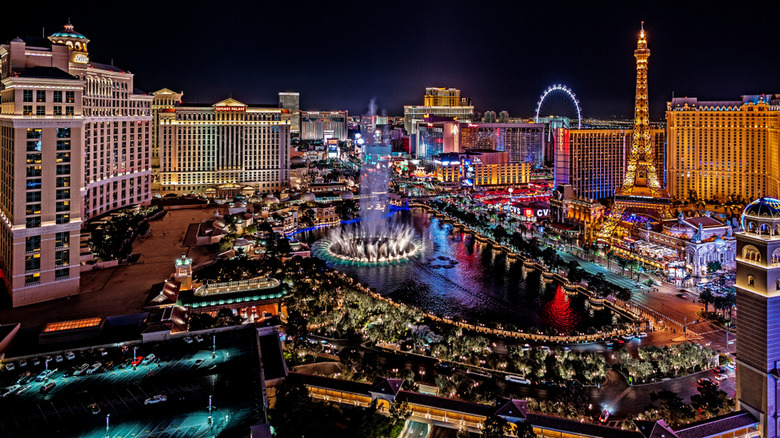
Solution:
(159, 398)
(720, 377)
(24, 378)
(188, 340)
(526, 347)
(10, 366)
(10, 390)
(45, 374)
(95, 366)
(22, 363)
(137, 361)
(47, 387)
(102, 351)
(604, 416)
(149, 359)
(58, 358)
(642, 335)
(198, 362)
(80, 370)
(36, 361)
(682, 295)
(705, 381)
(70, 355)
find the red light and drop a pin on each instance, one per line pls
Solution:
(529, 212)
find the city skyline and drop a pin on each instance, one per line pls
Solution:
(501, 57)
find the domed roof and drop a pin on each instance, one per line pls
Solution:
(68, 32)
(308, 197)
(763, 208)
(719, 242)
(679, 229)
(347, 195)
(271, 199)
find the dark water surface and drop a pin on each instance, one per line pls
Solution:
(484, 284)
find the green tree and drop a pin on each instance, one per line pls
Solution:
(711, 400)
(671, 407)
(495, 427)
(707, 298)
(400, 410)
(525, 430)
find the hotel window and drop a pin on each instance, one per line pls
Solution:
(32, 262)
(33, 209)
(63, 181)
(63, 206)
(27, 95)
(57, 110)
(62, 218)
(69, 110)
(32, 222)
(61, 257)
(61, 274)
(63, 145)
(34, 184)
(63, 132)
(70, 96)
(33, 196)
(40, 96)
(57, 96)
(61, 239)
(62, 169)
(27, 110)
(32, 243)
(31, 279)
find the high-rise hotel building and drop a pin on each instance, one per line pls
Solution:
(229, 143)
(74, 144)
(437, 103)
(594, 161)
(723, 148)
(163, 100)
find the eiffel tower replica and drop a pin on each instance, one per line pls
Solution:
(641, 192)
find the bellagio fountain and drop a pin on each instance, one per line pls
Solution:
(377, 238)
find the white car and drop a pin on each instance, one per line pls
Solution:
(58, 358)
(188, 340)
(10, 366)
(70, 355)
(95, 366)
(642, 335)
(720, 377)
(159, 398)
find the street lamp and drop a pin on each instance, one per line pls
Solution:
(213, 345)
(210, 410)
(107, 415)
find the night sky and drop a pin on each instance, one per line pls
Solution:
(341, 54)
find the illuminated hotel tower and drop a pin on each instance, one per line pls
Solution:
(74, 144)
(758, 301)
(641, 192)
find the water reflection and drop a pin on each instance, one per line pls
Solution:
(458, 276)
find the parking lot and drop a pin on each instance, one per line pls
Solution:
(165, 394)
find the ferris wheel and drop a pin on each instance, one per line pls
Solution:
(559, 100)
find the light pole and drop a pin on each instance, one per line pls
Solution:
(728, 330)
(107, 415)
(213, 345)
(210, 410)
